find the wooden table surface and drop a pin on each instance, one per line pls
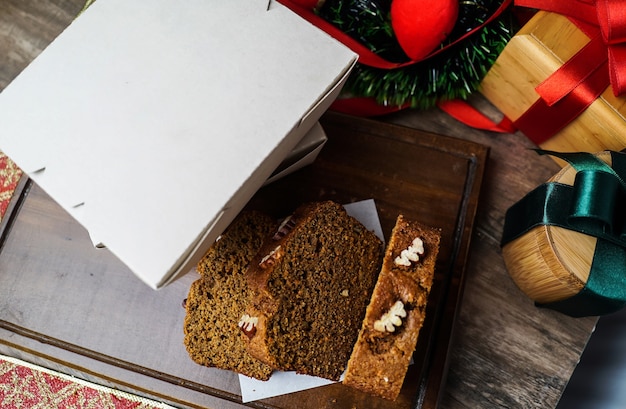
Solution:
(506, 352)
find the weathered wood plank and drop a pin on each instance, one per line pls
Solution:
(27, 27)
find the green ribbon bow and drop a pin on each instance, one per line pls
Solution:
(594, 205)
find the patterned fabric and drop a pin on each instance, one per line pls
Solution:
(23, 385)
(9, 176)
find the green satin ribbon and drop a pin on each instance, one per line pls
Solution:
(594, 205)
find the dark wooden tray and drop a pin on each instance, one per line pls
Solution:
(78, 307)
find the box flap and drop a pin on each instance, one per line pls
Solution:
(151, 119)
(303, 154)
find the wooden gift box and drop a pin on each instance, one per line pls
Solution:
(563, 243)
(551, 263)
(534, 53)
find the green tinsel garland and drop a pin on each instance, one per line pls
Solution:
(453, 73)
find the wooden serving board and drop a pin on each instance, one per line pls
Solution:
(77, 308)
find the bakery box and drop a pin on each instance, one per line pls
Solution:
(535, 52)
(153, 124)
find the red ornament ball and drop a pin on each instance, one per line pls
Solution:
(421, 25)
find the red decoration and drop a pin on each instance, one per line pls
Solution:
(421, 25)
(366, 56)
(367, 106)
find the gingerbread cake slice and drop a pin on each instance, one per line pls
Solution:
(310, 284)
(396, 312)
(217, 300)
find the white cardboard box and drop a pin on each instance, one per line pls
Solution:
(153, 123)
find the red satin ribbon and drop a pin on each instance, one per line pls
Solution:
(581, 80)
(612, 19)
(470, 116)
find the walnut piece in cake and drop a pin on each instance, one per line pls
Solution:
(391, 319)
(411, 253)
(248, 324)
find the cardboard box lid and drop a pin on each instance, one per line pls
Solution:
(153, 123)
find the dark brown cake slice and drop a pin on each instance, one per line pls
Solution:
(311, 283)
(396, 313)
(218, 299)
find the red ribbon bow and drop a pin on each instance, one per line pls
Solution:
(581, 80)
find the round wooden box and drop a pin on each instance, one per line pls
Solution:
(551, 263)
